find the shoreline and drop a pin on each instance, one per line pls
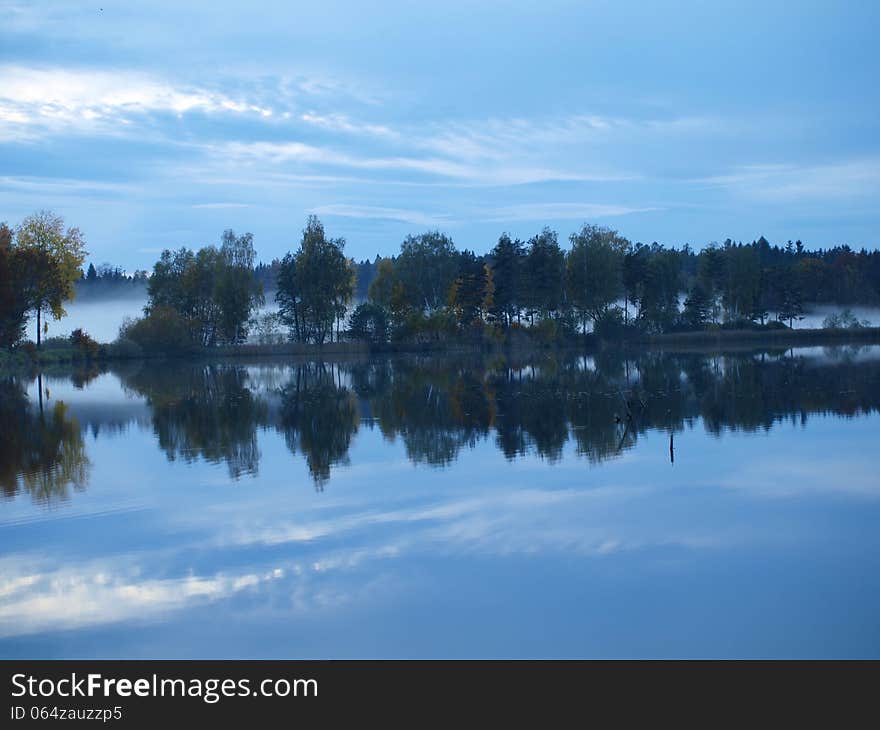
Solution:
(702, 341)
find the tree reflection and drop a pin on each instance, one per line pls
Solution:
(42, 451)
(318, 418)
(599, 405)
(204, 412)
(436, 407)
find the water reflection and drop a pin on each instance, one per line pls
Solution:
(471, 507)
(42, 451)
(203, 412)
(436, 407)
(318, 418)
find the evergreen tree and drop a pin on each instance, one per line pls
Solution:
(508, 267)
(698, 306)
(544, 275)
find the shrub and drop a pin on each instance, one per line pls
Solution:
(545, 331)
(84, 343)
(124, 349)
(29, 349)
(494, 334)
(163, 330)
(369, 323)
(611, 326)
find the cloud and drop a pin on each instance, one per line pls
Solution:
(785, 478)
(220, 206)
(342, 123)
(71, 597)
(52, 186)
(559, 211)
(90, 99)
(796, 182)
(300, 153)
(518, 137)
(378, 213)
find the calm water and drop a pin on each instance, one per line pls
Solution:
(417, 507)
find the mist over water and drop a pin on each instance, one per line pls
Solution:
(815, 315)
(101, 318)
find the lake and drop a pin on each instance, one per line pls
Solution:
(648, 505)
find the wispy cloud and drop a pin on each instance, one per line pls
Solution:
(503, 138)
(220, 206)
(50, 185)
(505, 172)
(342, 123)
(378, 213)
(560, 211)
(89, 99)
(794, 182)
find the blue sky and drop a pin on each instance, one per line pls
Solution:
(151, 125)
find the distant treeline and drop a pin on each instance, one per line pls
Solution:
(107, 282)
(430, 291)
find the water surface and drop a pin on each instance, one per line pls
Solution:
(595, 506)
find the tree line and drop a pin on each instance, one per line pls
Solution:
(430, 290)
(606, 284)
(106, 281)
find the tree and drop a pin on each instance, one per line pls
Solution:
(52, 257)
(426, 267)
(386, 289)
(213, 290)
(635, 264)
(315, 285)
(13, 303)
(369, 323)
(711, 275)
(91, 274)
(658, 307)
(743, 282)
(289, 297)
(594, 271)
(185, 282)
(472, 291)
(698, 306)
(508, 264)
(544, 274)
(792, 305)
(237, 290)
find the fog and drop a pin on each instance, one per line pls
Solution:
(816, 314)
(101, 318)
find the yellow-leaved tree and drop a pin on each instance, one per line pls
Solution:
(49, 261)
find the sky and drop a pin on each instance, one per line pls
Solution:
(158, 125)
